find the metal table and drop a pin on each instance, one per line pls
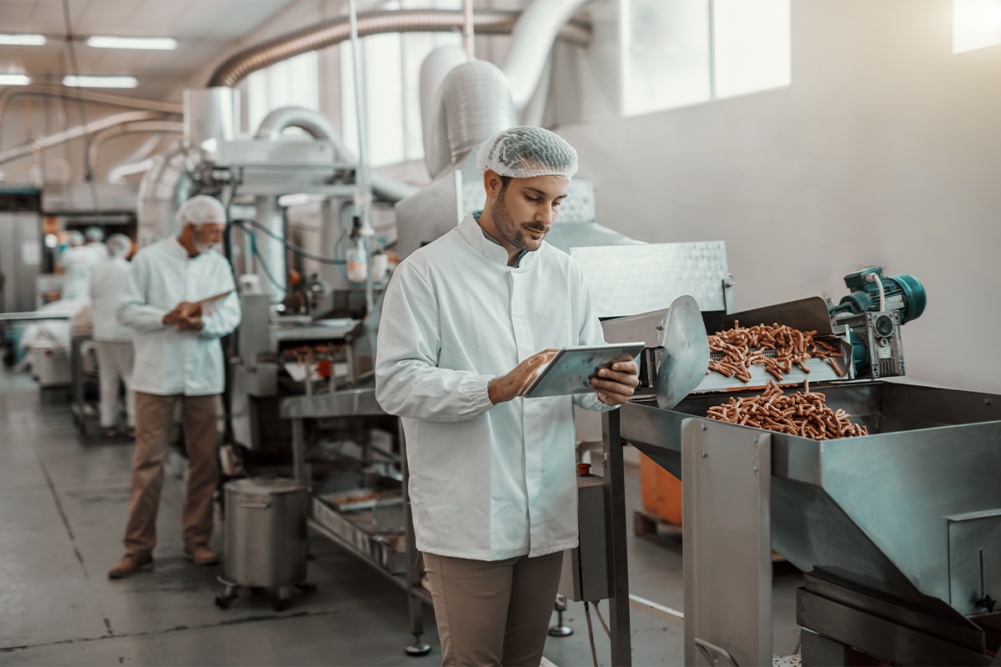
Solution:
(371, 549)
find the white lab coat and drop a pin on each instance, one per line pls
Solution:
(106, 287)
(169, 361)
(486, 482)
(78, 265)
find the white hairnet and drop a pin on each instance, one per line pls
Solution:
(526, 152)
(201, 210)
(119, 245)
(76, 238)
(94, 234)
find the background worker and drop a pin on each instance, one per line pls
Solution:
(178, 357)
(77, 263)
(492, 477)
(112, 339)
(95, 241)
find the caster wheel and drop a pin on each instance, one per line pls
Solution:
(306, 588)
(281, 605)
(560, 631)
(417, 650)
(222, 602)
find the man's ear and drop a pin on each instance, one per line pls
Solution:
(492, 183)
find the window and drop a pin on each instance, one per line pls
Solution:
(292, 82)
(976, 24)
(391, 67)
(680, 52)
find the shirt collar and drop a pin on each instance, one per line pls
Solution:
(175, 246)
(492, 250)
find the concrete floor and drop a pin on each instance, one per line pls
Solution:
(63, 504)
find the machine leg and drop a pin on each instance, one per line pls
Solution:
(560, 630)
(615, 519)
(284, 598)
(229, 594)
(299, 453)
(819, 651)
(415, 606)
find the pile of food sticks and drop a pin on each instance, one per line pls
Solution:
(804, 414)
(745, 347)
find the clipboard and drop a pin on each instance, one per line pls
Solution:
(572, 368)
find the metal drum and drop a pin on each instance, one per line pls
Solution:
(265, 532)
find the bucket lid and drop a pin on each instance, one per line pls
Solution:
(267, 485)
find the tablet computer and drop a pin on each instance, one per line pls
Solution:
(572, 368)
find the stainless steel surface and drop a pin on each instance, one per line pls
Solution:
(727, 538)
(685, 356)
(265, 532)
(334, 31)
(615, 510)
(346, 403)
(585, 569)
(819, 651)
(870, 511)
(389, 553)
(211, 113)
(270, 253)
(31, 316)
(571, 369)
(975, 561)
(809, 314)
(20, 259)
(633, 279)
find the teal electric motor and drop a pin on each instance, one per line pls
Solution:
(873, 321)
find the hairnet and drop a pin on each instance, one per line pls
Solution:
(119, 245)
(526, 152)
(76, 238)
(201, 210)
(94, 234)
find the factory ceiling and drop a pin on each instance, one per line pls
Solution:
(204, 31)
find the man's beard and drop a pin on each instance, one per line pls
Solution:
(203, 248)
(511, 231)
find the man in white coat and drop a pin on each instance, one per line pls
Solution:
(113, 340)
(492, 474)
(179, 301)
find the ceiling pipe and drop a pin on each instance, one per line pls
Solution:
(328, 33)
(531, 41)
(136, 163)
(152, 126)
(75, 133)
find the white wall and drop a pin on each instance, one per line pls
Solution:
(886, 150)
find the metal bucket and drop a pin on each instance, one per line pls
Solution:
(265, 532)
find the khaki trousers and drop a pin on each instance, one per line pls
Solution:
(154, 415)
(493, 613)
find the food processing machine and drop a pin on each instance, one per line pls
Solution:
(898, 532)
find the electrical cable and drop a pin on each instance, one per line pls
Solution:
(288, 244)
(83, 115)
(601, 620)
(264, 266)
(590, 633)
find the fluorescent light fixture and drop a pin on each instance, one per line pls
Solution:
(151, 43)
(22, 40)
(100, 81)
(14, 80)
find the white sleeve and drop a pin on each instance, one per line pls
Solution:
(408, 382)
(591, 333)
(132, 310)
(226, 316)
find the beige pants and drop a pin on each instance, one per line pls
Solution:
(153, 419)
(114, 365)
(493, 613)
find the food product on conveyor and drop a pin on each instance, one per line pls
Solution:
(804, 414)
(745, 347)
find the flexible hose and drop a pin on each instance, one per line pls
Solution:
(601, 620)
(873, 278)
(328, 33)
(590, 633)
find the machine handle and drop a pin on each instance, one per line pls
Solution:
(259, 506)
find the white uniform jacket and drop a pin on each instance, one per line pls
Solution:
(106, 287)
(486, 482)
(169, 361)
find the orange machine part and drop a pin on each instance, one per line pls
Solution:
(660, 491)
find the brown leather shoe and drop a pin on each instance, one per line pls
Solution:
(201, 554)
(130, 565)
